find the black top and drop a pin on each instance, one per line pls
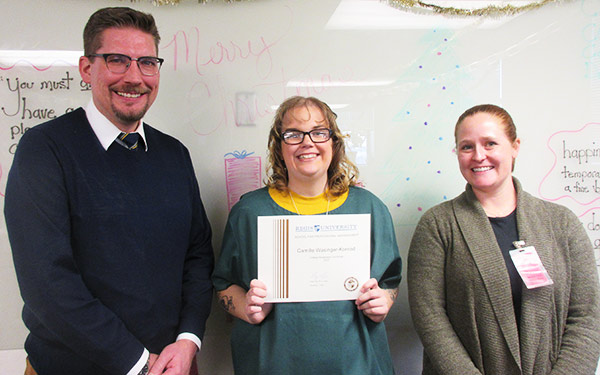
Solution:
(505, 229)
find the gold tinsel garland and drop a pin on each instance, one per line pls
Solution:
(489, 11)
(176, 2)
(421, 6)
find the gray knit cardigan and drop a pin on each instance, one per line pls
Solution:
(460, 295)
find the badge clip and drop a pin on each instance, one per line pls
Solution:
(519, 244)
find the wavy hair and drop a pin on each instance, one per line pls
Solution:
(341, 174)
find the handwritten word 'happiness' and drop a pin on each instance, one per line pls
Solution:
(584, 155)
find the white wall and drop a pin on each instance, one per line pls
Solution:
(398, 82)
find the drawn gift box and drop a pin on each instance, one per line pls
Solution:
(242, 174)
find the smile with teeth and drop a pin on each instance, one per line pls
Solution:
(481, 169)
(307, 156)
(129, 95)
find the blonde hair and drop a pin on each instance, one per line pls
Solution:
(341, 174)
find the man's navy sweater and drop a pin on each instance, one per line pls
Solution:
(112, 248)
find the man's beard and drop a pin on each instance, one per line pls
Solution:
(131, 116)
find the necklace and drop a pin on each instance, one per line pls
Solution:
(296, 207)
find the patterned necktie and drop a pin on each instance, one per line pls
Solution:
(130, 141)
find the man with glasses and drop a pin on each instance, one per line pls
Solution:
(110, 240)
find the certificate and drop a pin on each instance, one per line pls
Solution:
(314, 257)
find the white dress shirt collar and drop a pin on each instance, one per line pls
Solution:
(105, 130)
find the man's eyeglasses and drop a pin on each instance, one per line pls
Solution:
(119, 64)
(295, 137)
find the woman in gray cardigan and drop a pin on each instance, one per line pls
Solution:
(469, 305)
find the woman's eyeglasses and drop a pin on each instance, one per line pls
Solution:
(295, 137)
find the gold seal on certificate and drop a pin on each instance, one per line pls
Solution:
(351, 284)
(314, 257)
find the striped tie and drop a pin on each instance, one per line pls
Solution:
(129, 140)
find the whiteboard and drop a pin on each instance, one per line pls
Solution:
(397, 80)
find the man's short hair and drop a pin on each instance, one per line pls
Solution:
(116, 17)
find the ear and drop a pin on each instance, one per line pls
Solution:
(85, 69)
(516, 147)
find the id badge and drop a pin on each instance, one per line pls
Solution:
(530, 267)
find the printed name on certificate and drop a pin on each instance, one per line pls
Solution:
(314, 257)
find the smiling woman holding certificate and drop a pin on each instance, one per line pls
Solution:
(309, 175)
(501, 282)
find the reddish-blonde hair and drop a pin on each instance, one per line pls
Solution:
(509, 126)
(500, 113)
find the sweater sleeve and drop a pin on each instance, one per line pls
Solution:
(386, 264)
(55, 295)
(427, 298)
(198, 266)
(224, 271)
(580, 344)
(237, 262)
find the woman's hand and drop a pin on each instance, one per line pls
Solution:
(248, 305)
(375, 302)
(256, 307)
